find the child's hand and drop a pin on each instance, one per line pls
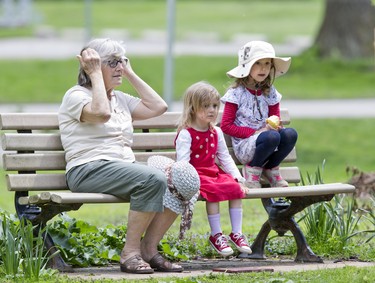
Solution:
(273, 122)
(244, 189)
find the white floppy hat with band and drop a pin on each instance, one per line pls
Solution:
(254, 51)
(183, 184)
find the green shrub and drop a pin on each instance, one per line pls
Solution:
(330, 226)
(83, 244)
(23, 254)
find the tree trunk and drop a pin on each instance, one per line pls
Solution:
(347, 30)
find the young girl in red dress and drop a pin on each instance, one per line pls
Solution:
(202, 143)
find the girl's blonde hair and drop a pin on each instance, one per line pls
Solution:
(264, 86)
(195, 98)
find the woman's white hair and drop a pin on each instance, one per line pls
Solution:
(107, 49)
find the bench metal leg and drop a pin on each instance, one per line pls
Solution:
(258, 245)
(281, 219)
(304, 252)
(56, 262)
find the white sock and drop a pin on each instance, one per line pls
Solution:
(236, 219)
(214, 221)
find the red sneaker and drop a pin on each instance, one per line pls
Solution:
(220, 243)
(240, 241)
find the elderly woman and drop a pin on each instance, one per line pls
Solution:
(96, 132)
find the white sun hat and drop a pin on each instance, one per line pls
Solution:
(183, 187)
(254, 51)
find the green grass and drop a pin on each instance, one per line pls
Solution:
(225, 18)
(343, 275)
(341, 142)
(42, 81)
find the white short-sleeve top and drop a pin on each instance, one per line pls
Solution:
(85, 142)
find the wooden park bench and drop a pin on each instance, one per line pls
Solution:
(34, 162)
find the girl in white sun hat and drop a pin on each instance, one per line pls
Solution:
(259, 142)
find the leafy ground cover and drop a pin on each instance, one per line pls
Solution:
(333, 231)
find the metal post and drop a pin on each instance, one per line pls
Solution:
(88, 16)
(168, 67)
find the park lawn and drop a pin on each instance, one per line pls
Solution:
(44, 81)
(341, 143)
(343, 275)
(224, 20)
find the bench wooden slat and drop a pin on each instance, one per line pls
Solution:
(56, 160)
(36, 182)
(167, 120)
(52, 141)
(41, 198)
(28, 121)
(44, 121)
(142, 141)
(297, 191)
(90, 198)
(144, 156)
(154, 141)
(290, 174)
(34, 161)
(30, 162)
(32, 141)
(56, 181)
(69, 198)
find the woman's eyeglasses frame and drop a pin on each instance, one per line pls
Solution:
(114, 62)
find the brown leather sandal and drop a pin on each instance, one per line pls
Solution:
(136, 265)
(159, 263)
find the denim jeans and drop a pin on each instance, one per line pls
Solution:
(273, 146)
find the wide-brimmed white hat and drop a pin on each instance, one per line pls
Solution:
(183, 184)
(254, 51)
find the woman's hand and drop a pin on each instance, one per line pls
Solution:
(90, 61)
(127, 68)
(98, 110)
